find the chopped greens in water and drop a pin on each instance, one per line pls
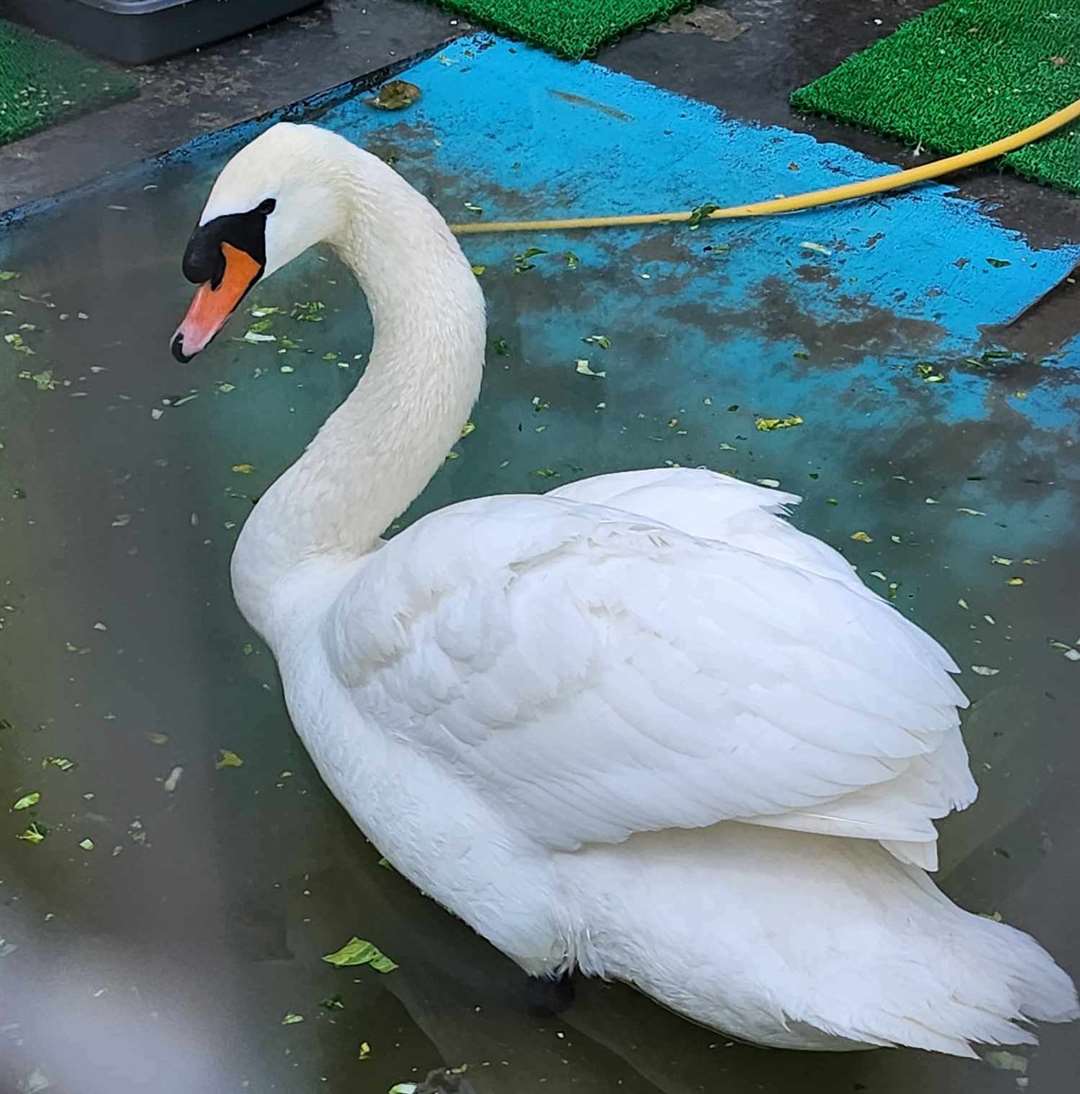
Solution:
(308, 311)
(395, 95)
(357, 951)
(26, 801)
(766, 425)
(45, 381)
(34, 833)
(18, 343)
(521, 261)
(928, 372)
(700, 213)
(228, 758)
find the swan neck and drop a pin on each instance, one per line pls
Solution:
(379, 449)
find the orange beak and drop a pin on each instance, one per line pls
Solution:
(212, 305)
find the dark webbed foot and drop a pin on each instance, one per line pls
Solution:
(549, 996)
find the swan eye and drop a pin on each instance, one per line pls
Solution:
(266, 207)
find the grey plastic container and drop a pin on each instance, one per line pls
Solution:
(137, 31)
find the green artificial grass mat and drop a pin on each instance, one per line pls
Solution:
(42, 82)
(966, 73)
(569, 28)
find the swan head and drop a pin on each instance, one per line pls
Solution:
(272, 201)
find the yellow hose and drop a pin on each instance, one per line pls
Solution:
(829, 196)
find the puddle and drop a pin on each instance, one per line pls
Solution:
(166, 958)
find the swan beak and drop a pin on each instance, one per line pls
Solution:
(213, 304)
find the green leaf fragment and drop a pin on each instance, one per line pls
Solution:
(332, 1002)
(572, 261)
(501, 347)
(8, 275)
(86, 844)
(34, 833)
(700, 213)
(928, 372)
(473, 208)
(766, 425)
(395, 95)
(546, 472)
(18, 343)
(600, 340)
(308, 311)
(364, 1052)
(27, 800)
(1007, 1061)
(478, 270)
(357, 951)
(467, 428)
(521, 261)
(228, 758)
(61, 762)
(291, 1019)
(999, 263)
(862, 537)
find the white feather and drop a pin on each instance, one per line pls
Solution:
(641, 725)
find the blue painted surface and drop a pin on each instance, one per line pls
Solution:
(522, 134)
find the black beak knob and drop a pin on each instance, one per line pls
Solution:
(178, 349)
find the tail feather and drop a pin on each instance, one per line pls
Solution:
(807, 941)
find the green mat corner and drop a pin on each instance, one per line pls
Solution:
(966, 73)
(43, 82)
(569, 28)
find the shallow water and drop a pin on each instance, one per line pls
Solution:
(165, 958)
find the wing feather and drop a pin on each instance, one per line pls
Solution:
(595, 670)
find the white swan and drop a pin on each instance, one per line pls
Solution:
(639, 726)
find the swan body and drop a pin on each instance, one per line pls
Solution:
(640, 725)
